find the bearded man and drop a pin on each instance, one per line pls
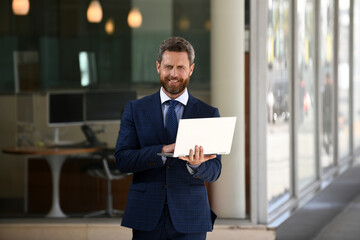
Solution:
(167, 197)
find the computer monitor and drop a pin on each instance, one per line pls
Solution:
(106, 105)
(65, 108)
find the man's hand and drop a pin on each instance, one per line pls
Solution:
(198, 157)
(168, 148)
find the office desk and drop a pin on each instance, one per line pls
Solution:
(55, 158)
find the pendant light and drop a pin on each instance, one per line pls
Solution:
(21, 7)
(110, 26)
(94, 12)
(134, 18)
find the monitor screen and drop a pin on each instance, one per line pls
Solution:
(65, 108)
(106, 105)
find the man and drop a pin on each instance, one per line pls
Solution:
(167, 197)
(327, 113)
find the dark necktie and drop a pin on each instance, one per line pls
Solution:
(171, 123)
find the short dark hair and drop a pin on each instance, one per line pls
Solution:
(176, 44)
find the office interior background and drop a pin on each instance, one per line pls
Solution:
(297, 83)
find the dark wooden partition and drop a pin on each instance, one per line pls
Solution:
(80, 193)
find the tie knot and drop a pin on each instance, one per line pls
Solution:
(173, 103)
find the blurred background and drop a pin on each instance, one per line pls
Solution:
(287, 69)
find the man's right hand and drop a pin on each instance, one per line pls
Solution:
(168, 148)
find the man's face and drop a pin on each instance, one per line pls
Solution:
(174, 72)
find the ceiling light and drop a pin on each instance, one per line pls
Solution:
(134, 18)
(20, 7)
(94, 12)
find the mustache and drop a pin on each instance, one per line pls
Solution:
(173, 78)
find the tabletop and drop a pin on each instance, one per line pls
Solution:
(41, 151)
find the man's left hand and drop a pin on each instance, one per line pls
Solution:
(197, 157)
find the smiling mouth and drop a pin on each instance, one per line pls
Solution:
(173, 80)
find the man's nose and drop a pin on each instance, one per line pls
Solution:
(173, 72)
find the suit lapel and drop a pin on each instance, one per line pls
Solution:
(156, 117)
(190, 109)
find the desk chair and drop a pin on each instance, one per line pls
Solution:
(106, 170)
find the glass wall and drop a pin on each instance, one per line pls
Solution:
(278, 101)
(326, 82)
(305, 84)
(161, 19)
(309, 91)
(120, 56)
(344, 79)
(356, 73)
(145, 39)
(310, 84)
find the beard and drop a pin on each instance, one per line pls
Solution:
(171, 88)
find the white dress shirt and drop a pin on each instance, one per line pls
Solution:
(179, 110)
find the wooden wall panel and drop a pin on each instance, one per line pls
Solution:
(80, 193)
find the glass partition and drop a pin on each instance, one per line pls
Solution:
(326, 84)
(26, 70)
(122, 54)
(305, 85)
(344, 79)
(278, 101)
(147, 38)
(7, 47)
(356, 74)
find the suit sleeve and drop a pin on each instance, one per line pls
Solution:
(130, 156)
(209, 171)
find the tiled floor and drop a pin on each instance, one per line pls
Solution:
(107, 229)
(334, 214)
(346, 226)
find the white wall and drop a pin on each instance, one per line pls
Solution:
(11, 167)
(227, 93)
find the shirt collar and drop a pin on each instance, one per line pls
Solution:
(183, 98)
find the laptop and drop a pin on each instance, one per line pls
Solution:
(215, 135)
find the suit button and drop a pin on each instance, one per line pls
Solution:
(164, 186)
(168, 166)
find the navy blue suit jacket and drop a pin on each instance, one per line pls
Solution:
(141, 137)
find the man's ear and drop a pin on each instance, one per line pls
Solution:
(157, 66)
(192, 68)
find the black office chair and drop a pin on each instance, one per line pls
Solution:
(105, 168)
